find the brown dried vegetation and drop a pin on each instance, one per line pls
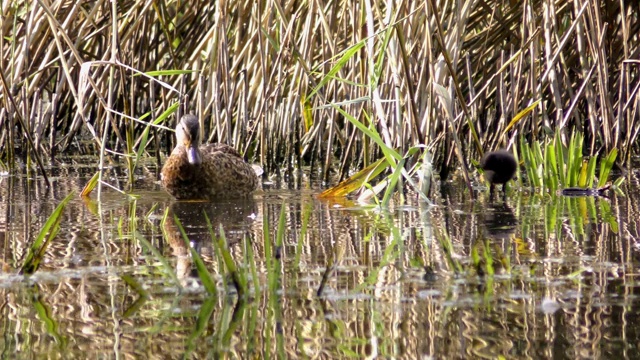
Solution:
(266, 76)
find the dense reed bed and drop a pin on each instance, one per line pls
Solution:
(274, 79)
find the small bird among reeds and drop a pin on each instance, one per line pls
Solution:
(499, 167)
(207, 172)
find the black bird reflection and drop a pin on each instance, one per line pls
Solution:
(235, 217)
(499, 221)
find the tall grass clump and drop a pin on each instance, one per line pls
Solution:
(280, 81)
(554, 165)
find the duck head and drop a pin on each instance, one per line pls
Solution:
(188, 135)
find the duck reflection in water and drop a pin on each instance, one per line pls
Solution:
(235, 217)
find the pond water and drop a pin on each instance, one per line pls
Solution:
(532, 277)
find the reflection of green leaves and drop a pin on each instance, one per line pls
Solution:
(551, 214)
(43, 240)
(608, 216)
(390, 255)
(503, 258)
(166, 266)
(44, 313)
(482, 258)
(488, 259)
(138, 288)
(447, 249)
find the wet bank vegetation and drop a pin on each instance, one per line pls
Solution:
(326, 84)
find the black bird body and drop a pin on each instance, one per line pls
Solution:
(499, 167)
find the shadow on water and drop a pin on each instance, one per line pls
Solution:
(532, 277)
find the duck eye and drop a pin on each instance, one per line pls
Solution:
(185, 131)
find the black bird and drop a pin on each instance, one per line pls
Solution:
(499, 167)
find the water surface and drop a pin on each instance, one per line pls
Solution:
(535, 277)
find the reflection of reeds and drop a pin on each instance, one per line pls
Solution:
(101, 277)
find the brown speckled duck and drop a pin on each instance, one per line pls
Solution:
(207, 172)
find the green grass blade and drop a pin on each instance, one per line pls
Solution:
(282, 225)
(239, 278)
(202, 324)
(550, 171)
(390, 154)
(561, 160)
(583, 174)
(166, 72)
(519, 116)
(90, 185)
(570, 175)
(356, 181)
(591, 171)
(392, 184)
(344, 59)
(606, 166)
(525, 152)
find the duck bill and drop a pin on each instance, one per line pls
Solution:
(193, 156)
